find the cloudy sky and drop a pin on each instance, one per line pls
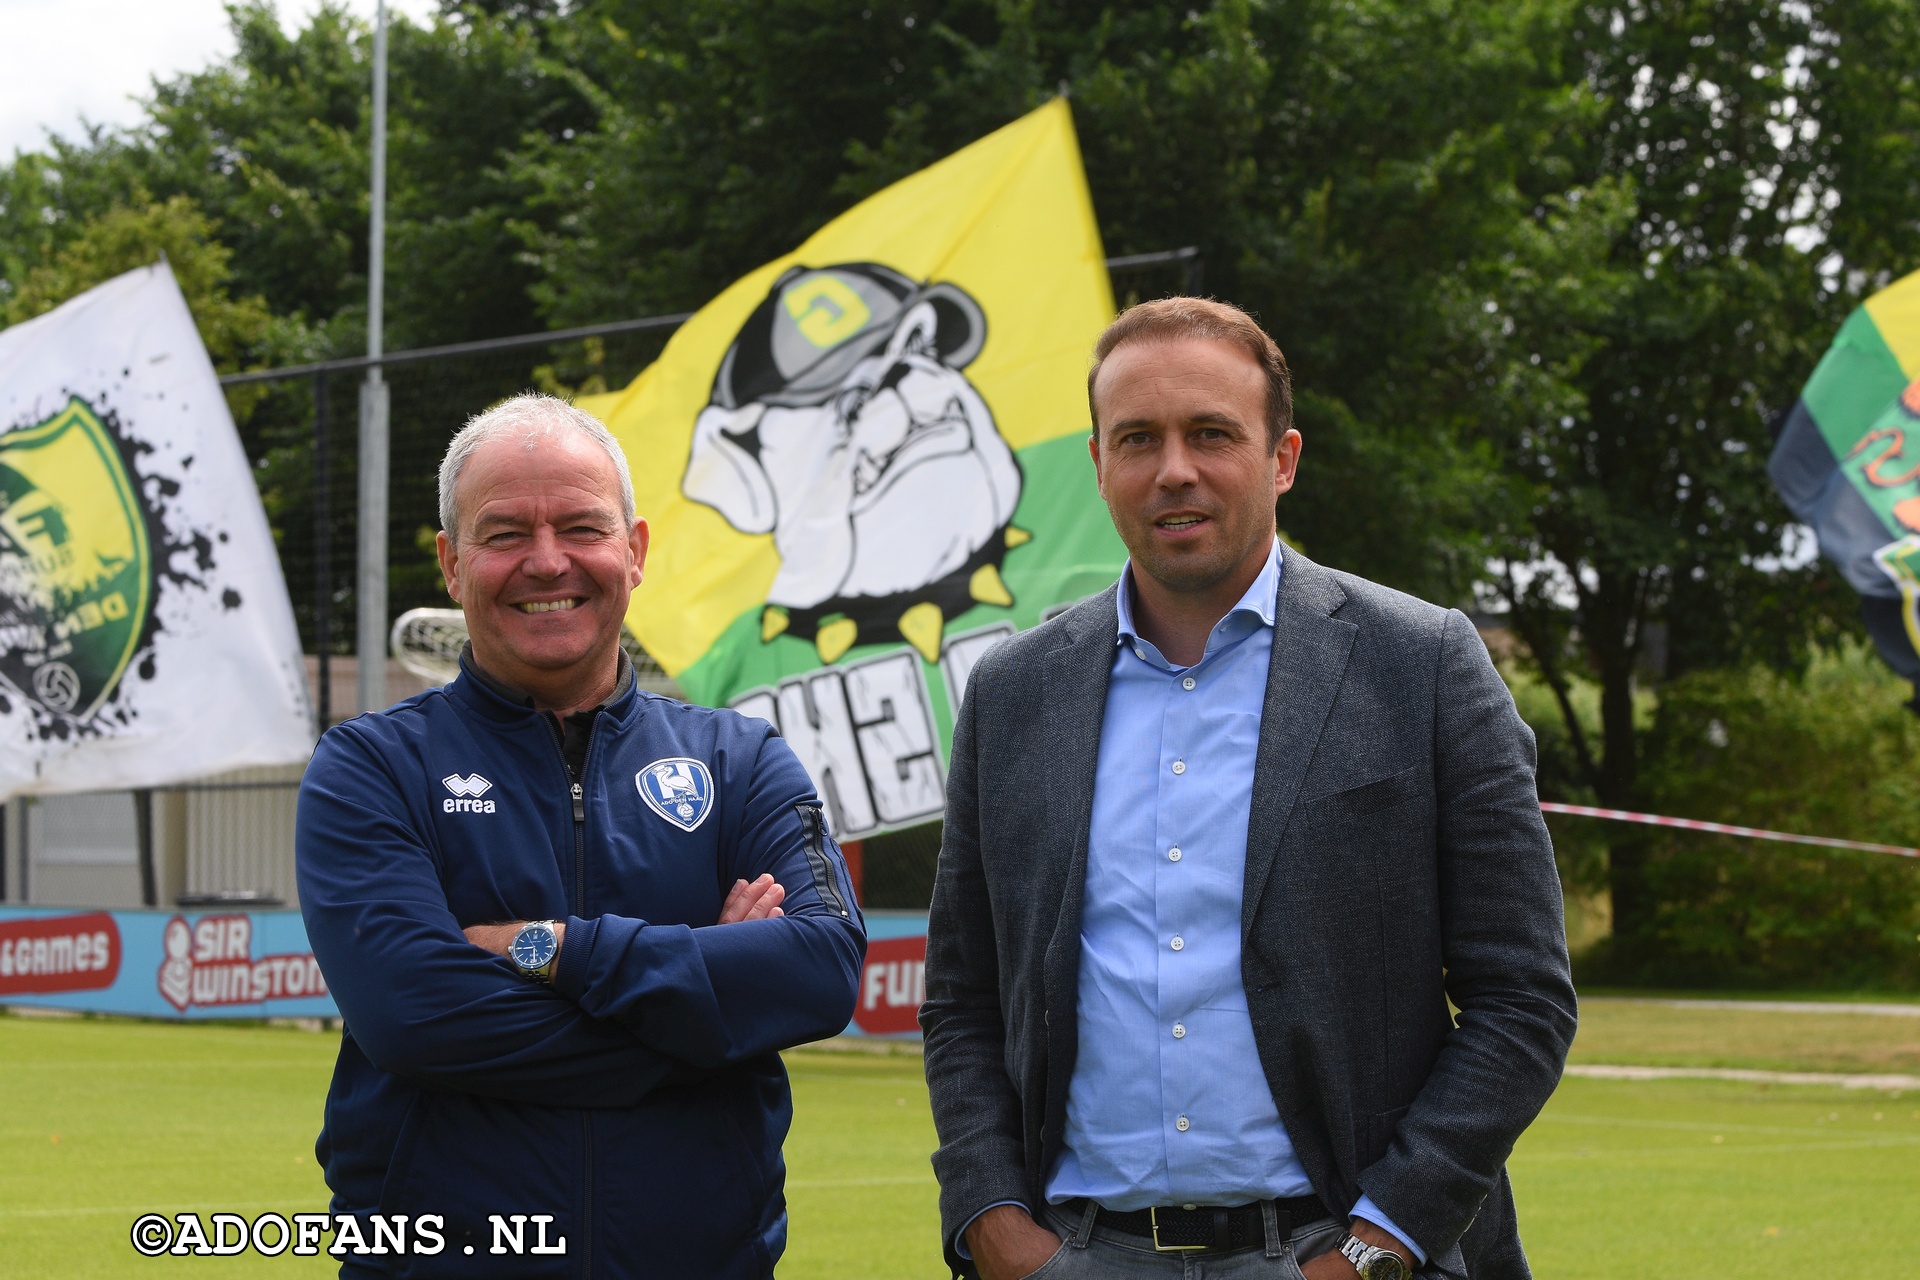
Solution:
(68, 59)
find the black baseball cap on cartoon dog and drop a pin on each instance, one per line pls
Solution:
(816, 323)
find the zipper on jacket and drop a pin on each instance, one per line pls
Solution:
(577, 798)
(578, 792)
(577, 802)
(580, 824)
(579, 848)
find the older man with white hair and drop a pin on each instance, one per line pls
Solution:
(570, 923)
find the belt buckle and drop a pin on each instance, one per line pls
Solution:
(1153, 1217)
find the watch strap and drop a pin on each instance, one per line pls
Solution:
(1372, 1261)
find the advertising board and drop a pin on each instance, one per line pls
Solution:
(257, 964)
(162, 964)
(894, 981)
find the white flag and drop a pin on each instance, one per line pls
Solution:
(145, 633)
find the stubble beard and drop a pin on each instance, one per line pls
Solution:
(1186, 575)
(1198, 570)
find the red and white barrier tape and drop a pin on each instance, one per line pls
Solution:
(1720, 828)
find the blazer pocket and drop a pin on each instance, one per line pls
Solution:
(1367, 799)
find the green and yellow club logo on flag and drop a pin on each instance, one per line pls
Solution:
(1867, 419)
(866, 461)
(75, 568)
(1901, 562)
(1847, 462)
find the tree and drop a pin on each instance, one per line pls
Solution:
(1831, 749)
(721, 136)
(122, 239)
(272, 146)
(1640, 502)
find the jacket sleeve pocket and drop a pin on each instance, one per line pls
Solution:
(814, 841)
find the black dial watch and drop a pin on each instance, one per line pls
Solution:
(1373, 1262)
(534, 950)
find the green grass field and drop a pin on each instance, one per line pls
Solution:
(1643, 1033)
(103, 1120)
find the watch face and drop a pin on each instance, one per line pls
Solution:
(1385, 1265)
(533, 946)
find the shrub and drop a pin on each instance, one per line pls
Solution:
(1829, 752)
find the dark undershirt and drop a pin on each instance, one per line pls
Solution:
(571, 733)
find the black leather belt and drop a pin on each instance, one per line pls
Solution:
(1179, 1229)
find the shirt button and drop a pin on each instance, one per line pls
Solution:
(1181, 1124)
(1187, 683)
(1179, 767)
(1173, 854)
(1179, 1031)
(1179, 943)
(1138, 652)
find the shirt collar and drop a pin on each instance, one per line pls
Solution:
(520, 698)
(1256, 603)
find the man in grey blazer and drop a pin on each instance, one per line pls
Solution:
(1221, 845)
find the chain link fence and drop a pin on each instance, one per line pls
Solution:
(300, 427)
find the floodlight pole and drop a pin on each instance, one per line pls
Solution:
(370, 641)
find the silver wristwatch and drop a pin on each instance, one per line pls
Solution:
(1373, 1262)
(535, 949)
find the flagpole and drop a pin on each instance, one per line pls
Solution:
(371, 630)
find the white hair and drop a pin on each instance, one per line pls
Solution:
(532, 417)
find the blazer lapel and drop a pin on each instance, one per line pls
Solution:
(1075, 701)
(1310, 652)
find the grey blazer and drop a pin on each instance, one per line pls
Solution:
(1396, 860)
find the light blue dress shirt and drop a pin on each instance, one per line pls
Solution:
(1168, 1103)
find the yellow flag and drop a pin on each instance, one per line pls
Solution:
(867, 459)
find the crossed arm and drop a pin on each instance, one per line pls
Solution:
(633, 1006)
(758, 899)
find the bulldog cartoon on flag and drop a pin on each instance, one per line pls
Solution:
(842, 422)
(864, 463)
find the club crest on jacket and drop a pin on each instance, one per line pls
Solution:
(842, 422)
(679, 789)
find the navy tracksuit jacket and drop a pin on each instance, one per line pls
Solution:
(640, 1100)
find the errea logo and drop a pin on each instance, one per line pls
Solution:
(466, 794)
